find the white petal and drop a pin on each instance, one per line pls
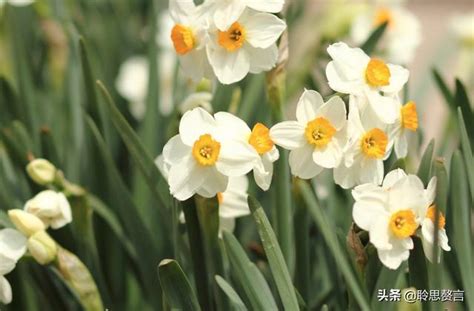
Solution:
(214, 183)
(288, 134)
(398, 78)
(234, 205)
(5, 291)
(64, 215)
(263, 29)
(238, 184)
(302, 164)
(329, 156)
(371, 171)
(369, 205)
(308, 106)
(263, 178)
(346, 177)
(401, 146)
(407, 193)
(195, 64)
(271, 6)
(430, 191)
(262, 59)
(379, 232)
(175, 151)
(386, 108)
(393, 258)
(228, 12)
(232, 126)
(335, 111)
(229, 67)
(236, 158)
(162, 166)
(185, 178)
(193, 124)
(340, 84)
(226, 224)
(349, 62)
(12, 244)
(393, 177)
(7, 264)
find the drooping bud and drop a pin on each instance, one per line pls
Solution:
(25, 222)
(41, 171)
(42, 247)
(51, 207)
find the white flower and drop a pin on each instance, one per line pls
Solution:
(198, 99)
(402, 35)
(318, 136)
(233, 203)
(248, 45)
(351, 71)
(368, 146)
(202, 157)
(428, 225)
(226, 12)
(41, 171)
(259, 139)
(16, 2)
(400, 130)
(391, 214)
(189, 37)
(12, 248)
(462, 26)
(132, 84)
(51, 207)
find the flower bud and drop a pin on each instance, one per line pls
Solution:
(51, 207)
(41, 171)
(42, 247)
(27, 223)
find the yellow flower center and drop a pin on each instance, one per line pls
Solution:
(183, 39)
(374, 143)
(319, 132)
(409, 117)
(233, 38)
(260, 139)
(383, 15)
(403, 224)
(206, 150)
(431, 214)
(377, 73)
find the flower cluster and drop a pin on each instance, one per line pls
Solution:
(227, 39)
(393, 212)
(48, 208)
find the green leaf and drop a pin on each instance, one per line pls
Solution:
(462, 101)
(369, 45)
(249, 277)
(445, 91)
(418, 271)
(176, 287)
(467, 152)
(237, 302)
(426, 163)
(330, 237)
(274, 255)
(460, 231)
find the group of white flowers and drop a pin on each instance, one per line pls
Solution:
(211, 151)
(47, 209)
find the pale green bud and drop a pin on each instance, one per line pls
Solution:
(42, 247)
(25, 222)
(41, 171)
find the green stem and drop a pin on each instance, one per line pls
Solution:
(302, 247)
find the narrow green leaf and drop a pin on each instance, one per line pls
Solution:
(445, 91)
(462, 101)
(330, 237)
(460, 231)
(274, 255)
(176, 287)
(418, 275)
(249, 277)
(426, 163)
(467, 152)
(237, 302)
(369, 45)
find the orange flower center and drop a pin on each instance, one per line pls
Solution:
(377, 73)
(409, 117)
(374, 143)
(383, 15)
(206, 150)
(183, 39)
(233, 38)
(220, 198)
(319, 132)
(431, 214)
(260, 139)
(403, 224)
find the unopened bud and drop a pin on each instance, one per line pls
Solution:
(41, 171)
(25, 222)
(42, 247)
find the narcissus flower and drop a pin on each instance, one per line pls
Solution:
(351, 71)
(12, 248)
(248, 45)
(198, 99)
(51, 207)
(226, 12)
(189, 37)
(391, 214)
(407, 123)
(202, 157)
(369, 145)
(259, 139)
(402, 35)
(233, 202)
(318, 136)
